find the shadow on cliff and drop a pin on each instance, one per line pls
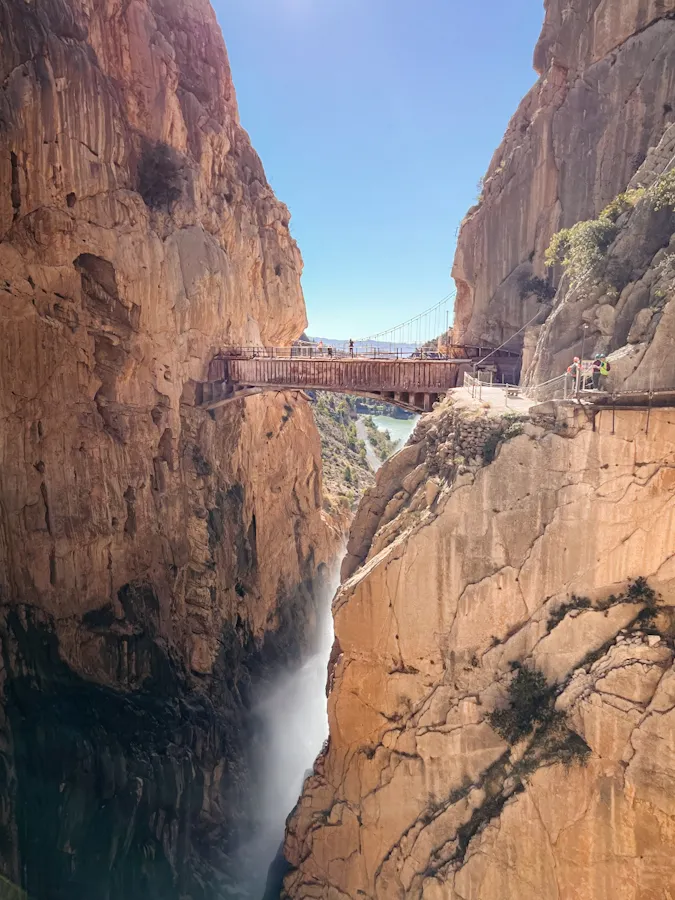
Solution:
(145, 793)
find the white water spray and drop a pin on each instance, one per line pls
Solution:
(294, 723)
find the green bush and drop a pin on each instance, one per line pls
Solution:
(582, 246)
(530, 704)
(662, 193)
(623, 203)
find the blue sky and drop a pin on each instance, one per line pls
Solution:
(375, 120)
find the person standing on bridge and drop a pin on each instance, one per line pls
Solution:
(604, 372)
(597, 365)
(320, 348)
(351, 347)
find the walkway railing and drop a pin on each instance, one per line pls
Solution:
(560, 387)
(474, 383)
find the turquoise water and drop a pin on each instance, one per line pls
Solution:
(399, 429)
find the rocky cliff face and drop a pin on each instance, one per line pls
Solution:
(605, 96)
(502, 703)
(155, 559)
(623, 304)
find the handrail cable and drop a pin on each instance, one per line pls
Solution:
(492, 352)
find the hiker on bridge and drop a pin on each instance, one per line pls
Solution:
(320, 348)
(604, 372)
(351, 347)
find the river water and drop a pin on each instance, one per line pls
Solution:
(399, 429)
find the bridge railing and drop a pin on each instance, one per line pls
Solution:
(314, 351)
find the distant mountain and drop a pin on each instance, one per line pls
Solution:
(363, 346)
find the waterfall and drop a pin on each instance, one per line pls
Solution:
(293, 725)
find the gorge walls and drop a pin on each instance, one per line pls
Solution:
(514, 585)
(156, 561)
(605, 95)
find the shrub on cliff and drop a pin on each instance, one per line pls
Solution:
(541, 289)
(579, 248)
(530, 705)
(161, 177)
(662, 192)
(532, 709)
(622, 203)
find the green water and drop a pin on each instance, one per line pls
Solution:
(399, 429)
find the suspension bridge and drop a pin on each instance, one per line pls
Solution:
(410, 365)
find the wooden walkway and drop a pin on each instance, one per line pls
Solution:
(413, 384)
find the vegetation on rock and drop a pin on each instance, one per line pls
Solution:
(380, 441)
(531, 709)
(161, 177)
(638, 592)
(541, 289)
(346, 473)
(582, 246)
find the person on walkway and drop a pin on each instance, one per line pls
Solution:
(597, 365)
(320, 348)
(351, 347)
(575, 372)
(330, 351)
(605, 368)
(575, 368)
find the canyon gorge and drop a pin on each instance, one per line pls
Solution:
(501, 688)
(501, 684)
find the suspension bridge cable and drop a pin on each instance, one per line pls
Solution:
(432, 314)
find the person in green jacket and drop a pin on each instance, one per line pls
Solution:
(605, 368)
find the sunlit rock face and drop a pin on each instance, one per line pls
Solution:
(604, 96)
(526, 561)
(155, 560)
(624, 306)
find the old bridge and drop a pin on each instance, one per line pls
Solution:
(413, 383)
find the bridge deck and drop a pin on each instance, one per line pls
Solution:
(411, 383)
(348, 374)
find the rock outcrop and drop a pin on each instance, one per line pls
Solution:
(155, 559)
(541, 584)
(623, 305)
(604, 97)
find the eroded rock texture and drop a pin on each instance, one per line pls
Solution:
(525, 561)
(624, 305)
(605, 96)
(154, 559)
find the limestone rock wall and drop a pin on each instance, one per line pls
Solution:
(603, 98)
(155, 559)
(524, 561)
(624, 305)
